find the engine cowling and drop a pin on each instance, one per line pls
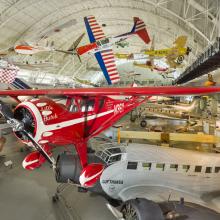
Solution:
(25, 115)
(68, 167)
(37, 116)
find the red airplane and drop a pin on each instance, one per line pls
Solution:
(42, 123)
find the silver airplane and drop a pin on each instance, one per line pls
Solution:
(137, 177)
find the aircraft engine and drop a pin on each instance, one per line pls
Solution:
(24, 115)
(68, 167)
(38, 116)
(179, 59)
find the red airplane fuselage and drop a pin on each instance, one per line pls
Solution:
(74, 123)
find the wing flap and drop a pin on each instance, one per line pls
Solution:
(133, 91)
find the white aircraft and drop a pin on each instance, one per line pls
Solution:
(151, 174)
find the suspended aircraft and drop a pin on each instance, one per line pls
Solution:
(177, 111)
(30, 49)
(101, 46)
(152, 65)
(174, 56)
(42, 123)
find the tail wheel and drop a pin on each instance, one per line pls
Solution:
(143, 124)
(141, 209)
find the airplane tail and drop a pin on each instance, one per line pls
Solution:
(139, 28)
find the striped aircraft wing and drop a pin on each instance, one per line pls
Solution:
(93, 29)
(106, 62)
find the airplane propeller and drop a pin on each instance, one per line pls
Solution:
(22, 126)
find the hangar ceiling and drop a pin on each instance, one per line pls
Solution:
(61, 22)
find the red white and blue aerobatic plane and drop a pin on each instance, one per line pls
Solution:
(101, 46)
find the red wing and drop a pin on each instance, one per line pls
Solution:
(134, 91)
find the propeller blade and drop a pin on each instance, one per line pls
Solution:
(39, 148)
(6, 110)
(79, 58)
(78, 40)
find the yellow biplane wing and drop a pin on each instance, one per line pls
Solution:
(180, 42)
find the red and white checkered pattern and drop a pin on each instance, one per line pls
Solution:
(109, 61)
(8, 73)
(96, 29)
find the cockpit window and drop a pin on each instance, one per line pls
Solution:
(115, 150)
(104, 41)
(73, 107)
(114, 158)
(87, 105)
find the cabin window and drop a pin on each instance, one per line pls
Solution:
(160, 166)
(132, 165)
(217, 169)
(73, 107)
(186, 167)
(198, 169)
(87, 105)
(208, 170)
(174, 166)
(147, 165)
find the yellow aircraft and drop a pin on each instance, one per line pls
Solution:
(174, 55)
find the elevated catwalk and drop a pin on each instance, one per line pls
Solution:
(206, 62)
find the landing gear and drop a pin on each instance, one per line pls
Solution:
(141, 209)
(143, 124)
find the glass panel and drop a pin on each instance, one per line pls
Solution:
(208, 169)
(160, 166)
(87, 105)
(186, 167)
(132, 165)
(147, 165)
(217, 169)
(115, 158)
(73, 107)
(198, 169)
(174, 166)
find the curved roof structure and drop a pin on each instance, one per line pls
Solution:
(61, 22)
